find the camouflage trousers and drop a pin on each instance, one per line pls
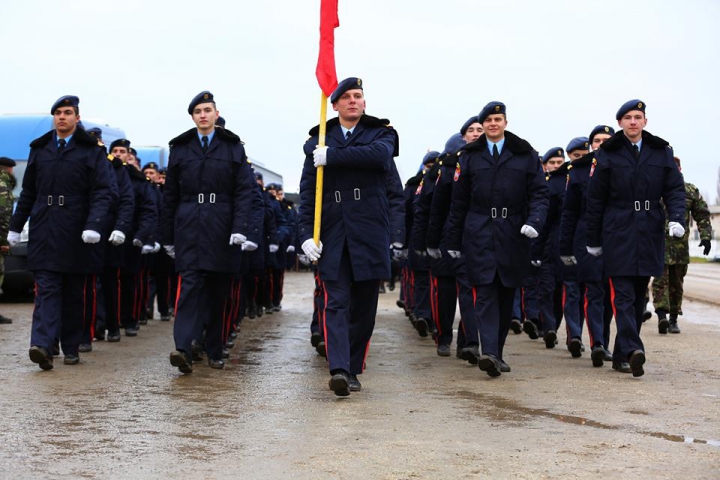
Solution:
(667, 291)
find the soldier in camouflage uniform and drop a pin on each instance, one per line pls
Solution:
(667, 290)
(7, 184)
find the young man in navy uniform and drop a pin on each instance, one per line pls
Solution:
(633, 171)
(66, 194)
(358, 210)
(499, 203)
(205, 222)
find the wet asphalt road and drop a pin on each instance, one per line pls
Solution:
(124, 412)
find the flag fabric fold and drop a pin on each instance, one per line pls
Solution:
(325, 71)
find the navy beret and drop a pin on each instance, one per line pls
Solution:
(65, 101)
(220, 122)
(202, 97)
(578, 143)
(95, 132)
(152, 165)
(162, 171)
(271, 186)
(351, 83)
(601, 129)
(491, 108)
(430, 157)
(553, 152)
(120, 142)
(467, 124)
(7, 162)
(132, 151)
(258, 176)
(630, 106)
(454, 143)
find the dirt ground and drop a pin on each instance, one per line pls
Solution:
(124, 412)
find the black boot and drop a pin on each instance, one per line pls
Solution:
(673, 328)
(663, 322)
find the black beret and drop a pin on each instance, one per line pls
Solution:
(491, 108)
(430, 157)
(258, 176)
(152, 165)
(95, 132)
(120, 142)
(65, 101)
(601, 129)
(578, 143)
(454, 143)
(7, 162)
(202, 97)
(553, 152)
(162, 170)
(220, 122)
(467, 124)
(351, 83)
(133, 152)
(270, 186)
(630, 106)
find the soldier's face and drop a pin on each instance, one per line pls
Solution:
(350, 106)
(121, 153)
(632, 124)
(205, 115)
(132, 160)
(65, 120)
(280, 195)
(494, 126)
(473, 133)
(152, 174)
(575, 154)
(553, 164)
(598, 140)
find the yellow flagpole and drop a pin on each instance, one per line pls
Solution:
(320, 171)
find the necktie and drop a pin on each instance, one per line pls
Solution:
(61, 145)
(347, 135)
(637, 151)
(496, 154)
(204, 143)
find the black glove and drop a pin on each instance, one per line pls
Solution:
(706, 244)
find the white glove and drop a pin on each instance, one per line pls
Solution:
(594, 251)
(90, 236)
(397, 245)
(420, 253)
(13, 238)
(312, 251)
(304, 259)
(434, 253)
(455, 253)
(273, 248)
(170, 250)
(529, 231)
(249, 246)
(156, 248)
(137, 243)
(568, 260)
(116, 238)
(536, 263)
(237, 239)
(320, 156)
(398, 253)
(676, 230)
(290, 249)
(147, 249)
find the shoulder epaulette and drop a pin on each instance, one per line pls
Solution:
(110, 157)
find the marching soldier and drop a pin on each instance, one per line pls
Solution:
(633, 171)
(7, 184)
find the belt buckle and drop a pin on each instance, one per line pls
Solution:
(212, 198)
(504, 212)
(337, 196)
(61, 200)
(201, 198)
(647, 205)
(356, 194)
(49, 200)
(493, 212)
(637, 205)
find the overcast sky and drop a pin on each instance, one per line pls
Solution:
(561, 67)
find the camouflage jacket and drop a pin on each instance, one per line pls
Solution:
(7, 183)
(676, 249)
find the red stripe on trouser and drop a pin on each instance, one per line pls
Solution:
(177, 296)
(587, 320)
(367, 350)
(612, 297)
(474, 296)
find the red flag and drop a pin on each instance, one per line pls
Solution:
(325, 71)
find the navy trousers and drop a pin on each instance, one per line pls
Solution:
(594, 306)
(203, 303)
(627, 295)
(421, 294)
(59, 310)
(468, 329)
(348, 318)
(493, 311)
(444, 300)
(318, 304)
(571, 301)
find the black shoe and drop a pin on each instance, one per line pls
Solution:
(516, 326)
(269, 309)
(230, 343)
(673, 328)
(5, 320)
(216, 364)
(647, 315)
(142, 321)
(582, 347)
(354, 384)
(340, 383)
(490, 365)
(85, 347)
(637, 360)
(663, 322)
(113, 337)
(391, 287)
(471, 354)
(400, 304)
(197, 352)
(458, 352)
(575, 347)
(259, 312)
(182, 361)
(608, 355)
(382, 289)
(504, 367)
(233, 334)
(171, 311)
(131, 332)
(251, 313)
(320, 349)
(149, 314)
(41, 356)
(277, 308)
(165, 318)
(597, 356)
(99, 336)
(443, 350)
(622, 367)
(71, 359)
(315, 338)
(531, 329)
(225, 353)
(550, 337)
(422, 327)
